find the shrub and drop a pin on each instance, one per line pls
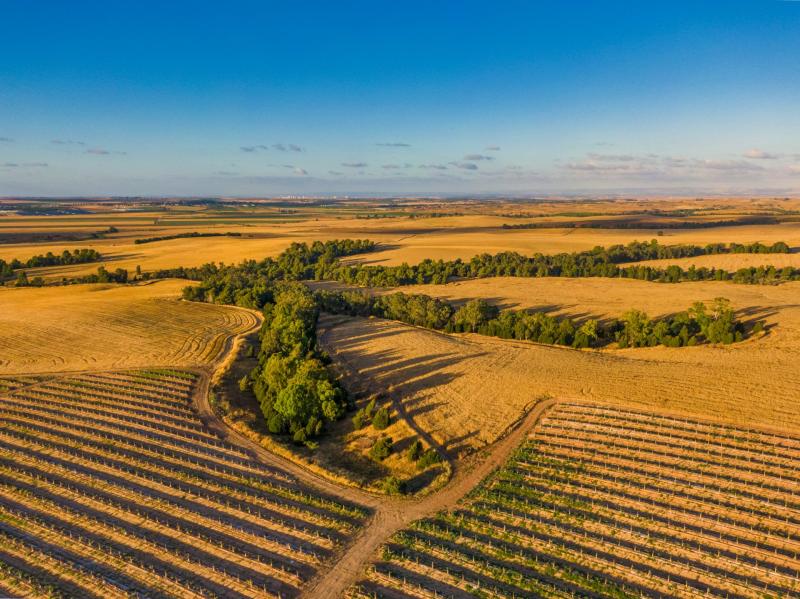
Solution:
(244, 383)
(358, 419)
(300, 436)
(428, 458)
(393, 486)
(381, 450)
(381, 419)
(369, 409)
(415, 450)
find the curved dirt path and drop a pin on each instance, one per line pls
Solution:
(389, 514)
(392, 515)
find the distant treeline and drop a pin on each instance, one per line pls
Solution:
(634, 329)
(245, 284)
(119, 275)
(597, 262)
(183, 236)
(80, 256)
(635, 224)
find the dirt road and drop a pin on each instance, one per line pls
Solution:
(389, 514)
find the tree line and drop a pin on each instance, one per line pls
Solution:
(699, 324)
(79, 256)
(597, 262)
(636, 224)
(183, 236)
(297, 392)
(244, 284)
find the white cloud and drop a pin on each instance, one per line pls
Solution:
(756, 154)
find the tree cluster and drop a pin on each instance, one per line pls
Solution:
(66, 257)
(248, 283)
(697, 325)
(296, 391)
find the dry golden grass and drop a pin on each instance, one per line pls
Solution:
(466, 390)
(266, 232)
(80, 327)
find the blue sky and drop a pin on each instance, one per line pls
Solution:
(261, 98)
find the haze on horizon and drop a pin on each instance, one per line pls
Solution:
(260, 98)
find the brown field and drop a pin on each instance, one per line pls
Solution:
(467, 389)
(476, 228)
(111, 486)
(655, 472)
(53, 329)
(598, 297)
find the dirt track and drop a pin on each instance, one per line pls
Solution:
(389, 514)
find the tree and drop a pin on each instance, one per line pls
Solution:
(473, 314)
(381, 419)
(415, 450)
(381, 449)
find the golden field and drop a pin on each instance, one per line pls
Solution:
(405, 233)
(467, 389)
(54, 329)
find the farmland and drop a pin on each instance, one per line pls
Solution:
(610, 502)
(135, 463)
(409, 230)
(110, 326)
(110, 485)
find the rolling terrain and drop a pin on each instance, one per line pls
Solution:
(80, 327)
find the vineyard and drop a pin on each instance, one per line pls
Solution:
(111, 486)
(89, 327)
(610, 502)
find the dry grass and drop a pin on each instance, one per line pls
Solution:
(466, 390)
(77, 327)
(266, 232)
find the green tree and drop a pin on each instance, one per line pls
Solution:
(381, 419)
(474, 314)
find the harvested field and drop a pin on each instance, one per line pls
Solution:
(79, 327)
(470, 229)
(608, 502)
(111, 486)
(465, 390)
(598, 297)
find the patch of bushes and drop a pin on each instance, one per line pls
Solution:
(381, 449)
(415, 450)
(296, 391)
(393, 486)
(428, 458)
